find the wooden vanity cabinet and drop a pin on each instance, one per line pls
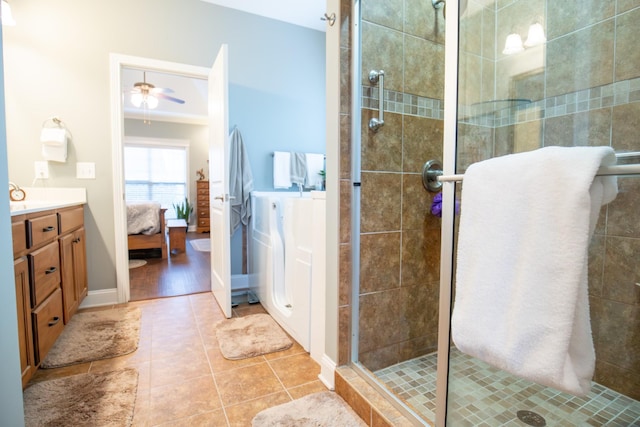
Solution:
(51, 278)
(25, 333)
(74, 270)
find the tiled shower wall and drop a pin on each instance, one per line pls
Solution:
(400, 239)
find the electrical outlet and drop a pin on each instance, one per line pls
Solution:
(86, 170)
(41, 170)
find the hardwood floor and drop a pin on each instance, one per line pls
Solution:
(182, 273)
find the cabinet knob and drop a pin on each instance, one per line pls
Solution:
(53, 321)
(49, 228)
(51, 270)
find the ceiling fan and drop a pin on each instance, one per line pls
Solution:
(147, 95)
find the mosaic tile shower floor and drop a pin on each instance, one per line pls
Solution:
(481, 395)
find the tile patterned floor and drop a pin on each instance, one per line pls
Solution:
(483, 396)
(185, 381)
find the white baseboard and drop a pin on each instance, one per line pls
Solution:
(327, 372)
(100, 298)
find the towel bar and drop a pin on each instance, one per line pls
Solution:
(432, 176)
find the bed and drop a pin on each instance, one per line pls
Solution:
(146, 226)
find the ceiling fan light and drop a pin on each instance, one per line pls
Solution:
(136, 99)
(7, 16)
(152, 102)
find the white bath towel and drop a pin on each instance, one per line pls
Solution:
(298, 168)
(521, 301)
(315, 163)
(281, 169)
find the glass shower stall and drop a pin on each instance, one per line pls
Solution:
(459, 82)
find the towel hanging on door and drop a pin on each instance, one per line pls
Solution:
(240, 181)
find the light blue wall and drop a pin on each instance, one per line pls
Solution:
(11, 408)
(57, 63)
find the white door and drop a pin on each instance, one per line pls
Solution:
(220, 224)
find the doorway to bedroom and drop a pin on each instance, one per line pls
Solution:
(164, 143)
(157, 169)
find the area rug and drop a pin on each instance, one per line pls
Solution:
(318, 409)
(250, 336)
(135, 263)
(102, 399)
(201, 245)
(95, 335)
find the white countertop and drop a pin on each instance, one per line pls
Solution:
(42, 198)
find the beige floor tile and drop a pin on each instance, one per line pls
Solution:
(179, 368)
(295, 370)
(306, 389)
(294, 349)
(180, 400)
(210, 419)
(241, 415)
(171, 346)
(247, 383)
(220, 364)
(142, 411)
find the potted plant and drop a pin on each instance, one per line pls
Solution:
(322, 173)
(183, 210)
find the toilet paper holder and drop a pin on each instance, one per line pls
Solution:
(54, 137)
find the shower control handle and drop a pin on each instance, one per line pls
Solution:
(377, 76)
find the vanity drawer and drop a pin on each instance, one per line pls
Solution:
(19, 237)
(42, 229)
(44, 265)
(47, 324)
(70, 219)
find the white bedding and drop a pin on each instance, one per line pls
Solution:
(143, 217)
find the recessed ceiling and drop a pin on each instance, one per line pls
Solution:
(306, 13)
(192, 91)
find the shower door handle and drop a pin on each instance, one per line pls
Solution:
(376, 76)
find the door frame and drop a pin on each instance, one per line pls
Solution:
(116, 63)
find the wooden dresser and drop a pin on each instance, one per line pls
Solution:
(202, 206)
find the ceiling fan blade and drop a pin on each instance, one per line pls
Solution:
(169, 98)
(162, 90)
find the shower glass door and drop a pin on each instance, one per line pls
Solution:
(537, 73)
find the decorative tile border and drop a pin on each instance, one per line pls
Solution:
(511, 112)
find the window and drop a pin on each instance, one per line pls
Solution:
(156, 170)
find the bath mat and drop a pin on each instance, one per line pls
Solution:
(135, 263)
(201, 245)
(318, 409)
(102, 399)
(95, 335)
(250, 336)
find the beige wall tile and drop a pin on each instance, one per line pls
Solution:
(381, 150)
(380, 205)
(564, 17)
(382, 49)
(423, 140)
(379, 262)
(388, 13)
(423, 67)
(580, 60)
(627, 52)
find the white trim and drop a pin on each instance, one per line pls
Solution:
(117, 62)
(100, 297)
(328, 372)
(148, 141)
